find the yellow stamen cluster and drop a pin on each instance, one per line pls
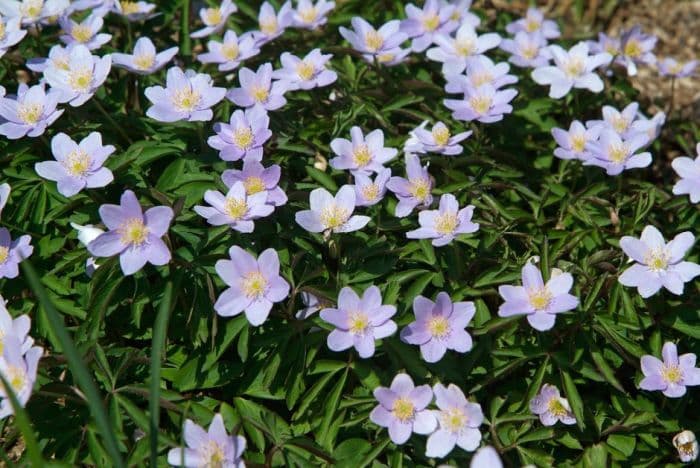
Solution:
(574, 67)
(78, 162)
(212, 16)
(620, 123)
(2, 29)
(481, 104)
(254, 284)
(358, 323)
(213, 455)
(80, 79)
(144, 61)
(230, 50)
(618, 153)
(453, 419)
(633, 48)
(557, 408)
(260, 93)
(253, 185)
(373, 41)
(235, 208)
(308, 15)
(540, 298)
(657, 260)
(441, 135)
(578, 142)
(481, 78)
(446, 223)
(532, 25)
(81, 33)
(384, 58)
(403, 409)
(129, 8)
(465, 47)
(419, 188)
(186, 99)
(31, 8)
(439, 327)
(529, 51)
(305, 70)
(671, 373)
(361, 156)
(370, 192)
(133, 231)
(4, 254)
(243, 137)
(30, 113)
(16, 377)
(431, 22)
(268, 25)
(333, 216)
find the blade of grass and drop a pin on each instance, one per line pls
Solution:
(25, 427)
(75, 363)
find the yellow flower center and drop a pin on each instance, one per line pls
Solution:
(687, 449)
(361, 156)
(78, 162)
(574, 67)
(633, 48)
(4, 254)
(254, 284)
(81, 79)
(657, 260)
(384, 58)
(465, 47)
(235, 208)
(259, 93)
(212, 16)
(439, 327)
(611, 48)
(675, 69)
(403, 409)
(144, 61)
(358, 323)
(243, 137)
(2, 29)
(431, 22)
(578, 143)
(446, 223)
(441, 135)
(31, 8)
(529, 51)
(253, 185)
(186, 99)
(60, 62)
(230, 50)
(481, 78)
(133, 231)
(308, 15)
(373, 40)
(81, 33)
(619, 123)
(30, 113)
(2, 342)
(480, 104)
(214, 455)
(370, 192)
(671, 373)
(129, 8)
(419, 188)
(333, 216)
(557, 408)
(305, 70)
(618, 153)
(540, 298)
(16, 377)
(532, 25)
(268, 25)
(453, 419)
(456, 15)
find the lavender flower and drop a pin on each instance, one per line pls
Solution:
(636, 49)
(33, 11)
(534, 22)
(257, 89)
(214, 18)
(230, 53)
(689, 172)
(133, 235)
(312, 16)
(573, 69)
(484, 103)
(133, 11)
(243, 137)
(86, 33)
(380, 44)
(454, 53)
(212, 448)
(687, 446)
(413, 191)
(58, 58)
(257, 179)
(614, 154)
(402, 409)
(331, 214)
(459, 422)
(368, 192)
(77, 166)
(658, 264)
(618, 121)
(605, 43)
(480, 71)
(145, 59)
(30, 113)
(12, 252)
(650, 127)
(461, 14)
(486, 457)
(444, 224)
(272, 24)
(538, 300)
(572, 143)
(10, 33)
(527, 50)
(81, 77)
(672, 375)
(307, 73)
(254, 285)
(187, 96)
(237, 209)
(424, 26)
(312, 304)
(439, 326)
(19, 370)
(358, 321)
(671, 67)
(14, 327)
(551, 407)
(361, 154)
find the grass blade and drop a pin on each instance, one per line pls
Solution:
(25, 426)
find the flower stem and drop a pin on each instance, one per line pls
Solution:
(109, 118)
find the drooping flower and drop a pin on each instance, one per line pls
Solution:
(688, 170)
(538, 300)
(30, 113)
(486, 457)
(86, 32)
(672, 67)
(455, 52)
(230, 53)
(307, 73)
(672, 375)
(14, 327)
(258, 89)
(480, 71)
(12, 252)
(572, 143)
(254, 285)
(534, 22)
(257, 178)
(132, 234)
(10, 33)
(615, 154)
(82, 75)
(243, 137)
(187, 96)
(413, 191)
(484, 103)
(87, 234)
(658, 264)
(212, 448)
(403, 409)
(382, 45)
(272, 24)
(361, 153)
(312, 304)
(636, 49)
(687, 446)
(133, 11)
(458, 420)
(57, 58)
(33, 11)
(572, 69)
(214, 18)
(310, 15)
(424, 26)
(446, 223)
(4, 195)
(359, 322)
(331, 214)
(551, 407)
(527, 50)
(438, 140)
(236, 209)
(19, 370)
(145, 59)
(439, 326)
(618, 121)
(77, 165)
(651, 127)
(369, 192)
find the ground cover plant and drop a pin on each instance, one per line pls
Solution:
(342, 234)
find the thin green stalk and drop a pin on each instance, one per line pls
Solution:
(185, 43)
(111, 121)
(75, 363)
